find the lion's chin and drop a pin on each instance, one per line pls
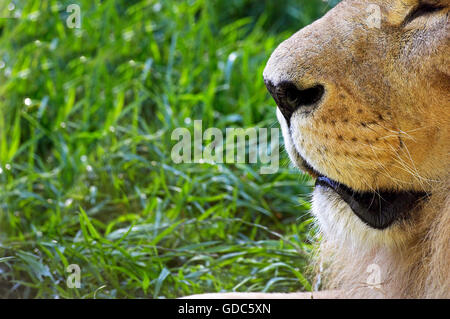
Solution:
(378, 209)
(341, 226)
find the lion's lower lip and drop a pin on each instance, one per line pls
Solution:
(377, 209)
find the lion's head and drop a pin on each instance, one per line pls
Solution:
(363, 99)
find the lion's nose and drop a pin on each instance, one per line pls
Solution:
(289, 98)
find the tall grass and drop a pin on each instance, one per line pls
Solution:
(86, 178)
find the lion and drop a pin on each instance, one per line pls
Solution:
(363, 98)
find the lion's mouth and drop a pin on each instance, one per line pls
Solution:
(378, 209)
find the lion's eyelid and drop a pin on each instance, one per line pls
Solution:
(423, 8)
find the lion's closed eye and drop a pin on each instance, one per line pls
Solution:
(422, 9)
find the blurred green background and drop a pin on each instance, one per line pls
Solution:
(86, 177)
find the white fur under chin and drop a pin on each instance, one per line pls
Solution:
(339, 224)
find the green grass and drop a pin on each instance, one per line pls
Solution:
(86, 177)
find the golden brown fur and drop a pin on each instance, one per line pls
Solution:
(383, 124)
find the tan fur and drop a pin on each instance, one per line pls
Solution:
(383, 123)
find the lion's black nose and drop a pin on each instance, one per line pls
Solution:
(289, 98)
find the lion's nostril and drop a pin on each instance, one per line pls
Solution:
(298, 98)
(289, 98)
